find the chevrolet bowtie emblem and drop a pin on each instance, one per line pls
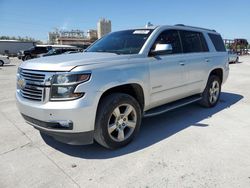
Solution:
(21, 82)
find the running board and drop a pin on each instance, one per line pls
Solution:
(171, 106)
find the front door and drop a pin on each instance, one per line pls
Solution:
(167, 71)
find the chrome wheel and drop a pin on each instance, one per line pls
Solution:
(214, 92)
(122, 122)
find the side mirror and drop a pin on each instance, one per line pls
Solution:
(162, 49)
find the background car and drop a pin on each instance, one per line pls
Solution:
(233, 57)
(72, 52)
(33, 52)
(59, 51)
(4, 60)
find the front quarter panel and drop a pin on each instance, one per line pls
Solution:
(131, 71)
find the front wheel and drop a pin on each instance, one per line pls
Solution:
(1, 63)
(27, 57)
(211, 94)
(118, 120)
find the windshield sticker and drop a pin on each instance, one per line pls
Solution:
(142, 32)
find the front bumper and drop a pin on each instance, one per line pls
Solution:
(81, 138)
(50, 118)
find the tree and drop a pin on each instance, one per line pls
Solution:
(22, 39)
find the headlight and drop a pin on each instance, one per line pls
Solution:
(64, 85)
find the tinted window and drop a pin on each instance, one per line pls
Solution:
(218, 42)
(169, 37)
(191, 42)
(40, 49)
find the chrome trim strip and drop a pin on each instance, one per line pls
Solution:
(177, 87)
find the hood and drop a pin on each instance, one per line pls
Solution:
(67, 62)
(4, 56)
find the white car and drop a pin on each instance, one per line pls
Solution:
(233, 57)
(103, 93)
(4, 60)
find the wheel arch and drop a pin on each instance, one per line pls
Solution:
(133, 89)
(217, 72)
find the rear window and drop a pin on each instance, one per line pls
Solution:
(218, 42)
(193, 42)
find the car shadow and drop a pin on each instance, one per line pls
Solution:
(153, 130)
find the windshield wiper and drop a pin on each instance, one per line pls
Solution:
(109, 51)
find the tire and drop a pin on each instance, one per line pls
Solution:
(211, 94)
(1, 63)
(113, 127)
(237, 60)
(27, 57)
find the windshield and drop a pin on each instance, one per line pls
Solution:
(52, 51)
(122, 42)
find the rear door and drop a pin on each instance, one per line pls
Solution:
(196, 55)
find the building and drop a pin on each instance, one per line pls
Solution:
(103, 27)
(77, 37)
(92, 34)
(12, 47)
(72, 34)
(53, 36)
(72, 41)
(73, 37)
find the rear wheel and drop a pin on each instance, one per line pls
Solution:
(1, 63)
(211, 94)
(118, 120)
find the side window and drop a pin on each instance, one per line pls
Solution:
(191, 42)
(203, 43)
(36, 50)
(169, 37)
(218, 42)
(39, 50)
(44, 50)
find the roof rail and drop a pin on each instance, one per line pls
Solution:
(182, 25)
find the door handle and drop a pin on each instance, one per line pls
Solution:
(207, 60)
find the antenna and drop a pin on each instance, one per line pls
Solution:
(149, 24)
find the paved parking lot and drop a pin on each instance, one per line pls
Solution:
(188, 147)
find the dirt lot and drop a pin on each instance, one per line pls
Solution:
(188, 147)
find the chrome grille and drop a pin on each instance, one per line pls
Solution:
(33, 87)
(32, 93)
(33, 77)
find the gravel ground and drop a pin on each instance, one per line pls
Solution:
(187, 147)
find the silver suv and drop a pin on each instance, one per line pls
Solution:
(103, 93)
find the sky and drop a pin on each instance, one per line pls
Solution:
(35, 18)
